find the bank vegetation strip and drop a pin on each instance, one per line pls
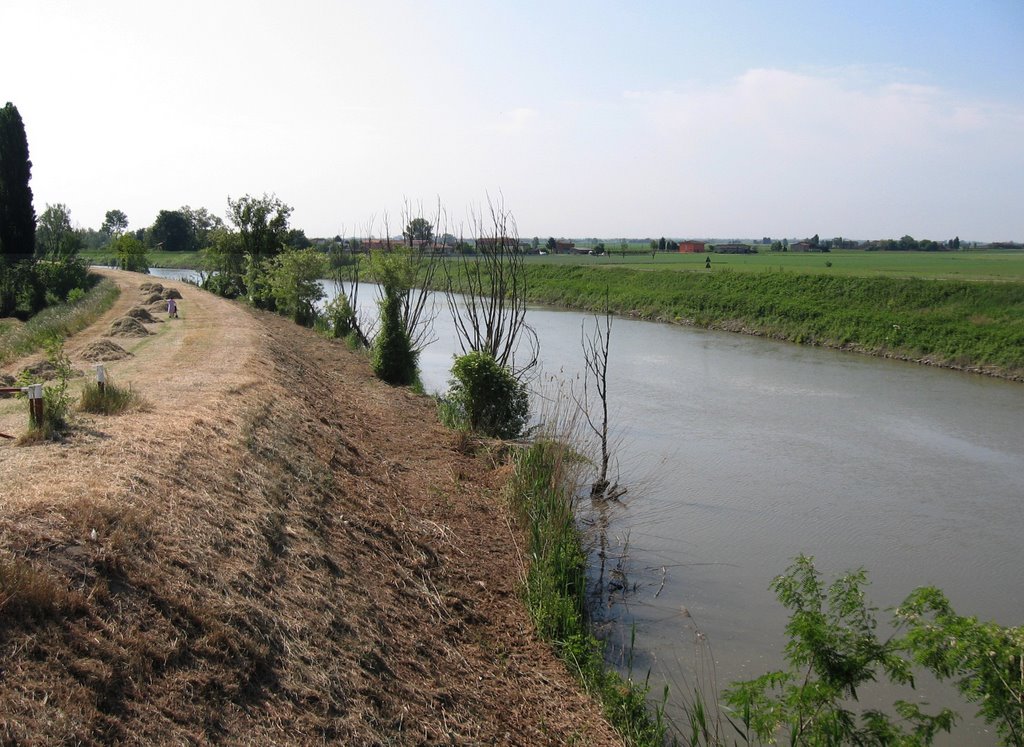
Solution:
(966, 325)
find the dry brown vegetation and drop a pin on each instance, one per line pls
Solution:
(280, 550)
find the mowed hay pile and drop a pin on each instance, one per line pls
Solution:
(148, 287)
(142, 314)
(304, 564)
(104, 350)
(126, 326)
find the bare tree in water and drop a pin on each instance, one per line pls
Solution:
(595, 386)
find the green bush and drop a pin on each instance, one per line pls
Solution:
(293, 279)
(131, 254)
(392, 356)
(339, 317)
(56, 399)
(833, 651)
(486, 397)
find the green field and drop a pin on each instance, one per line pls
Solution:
(966, 265)
(177, 260)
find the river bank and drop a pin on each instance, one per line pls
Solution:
(277, 549)
(971, 326)
(976, 326)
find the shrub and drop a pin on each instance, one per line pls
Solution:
(293, 278)
(486, 397)
(131, 254)
(111, 400)
(56, 400)
(833, 651)
(340, 317)
(392, 356)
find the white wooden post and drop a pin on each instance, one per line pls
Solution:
(101, 378)
(35, 402)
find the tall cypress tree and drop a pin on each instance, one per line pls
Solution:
(17, 216)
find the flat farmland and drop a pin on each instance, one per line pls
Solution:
(1005, 265)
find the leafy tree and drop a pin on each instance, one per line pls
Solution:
(131, 253)
(294, 282)
(833, 650)
(956, 243)
(224, 262)
(392, 356)
(985, 660)
(672, 246)
(535, 243)
(56, 238)
(814, 241)
(262, 224)
(172, 232)
(203, 224)
(907, 243)
(296, 239)
(17, 216)
(115, 222)
(419, 229)
(661, 244)
(552, 245)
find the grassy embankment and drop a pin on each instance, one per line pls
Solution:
(63, 320)
(973, 325)
(556, 594)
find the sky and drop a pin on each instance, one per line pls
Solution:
(732, 119)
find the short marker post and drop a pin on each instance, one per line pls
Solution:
(35, 403)
(101, 378)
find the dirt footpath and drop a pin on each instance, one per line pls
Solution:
(281, 550)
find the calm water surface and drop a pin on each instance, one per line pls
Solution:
(741, 452)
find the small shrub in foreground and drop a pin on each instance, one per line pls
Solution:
(111, 400)
(56, 399)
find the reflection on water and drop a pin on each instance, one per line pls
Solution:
(742, 452)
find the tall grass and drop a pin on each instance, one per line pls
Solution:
(110, 400)
(61, 320)
(542, 491)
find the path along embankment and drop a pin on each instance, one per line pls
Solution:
(278, 550)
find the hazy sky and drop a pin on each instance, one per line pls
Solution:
(685, 119)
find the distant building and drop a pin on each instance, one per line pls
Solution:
(733, 248)
(802, 246)
(691, 247)
(564, 246)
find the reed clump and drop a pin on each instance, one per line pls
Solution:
(542, 495)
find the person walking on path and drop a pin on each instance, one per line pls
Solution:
(172, 309)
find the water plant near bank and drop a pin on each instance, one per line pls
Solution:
(541, 492)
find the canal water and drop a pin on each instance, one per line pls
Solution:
(740, 453)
